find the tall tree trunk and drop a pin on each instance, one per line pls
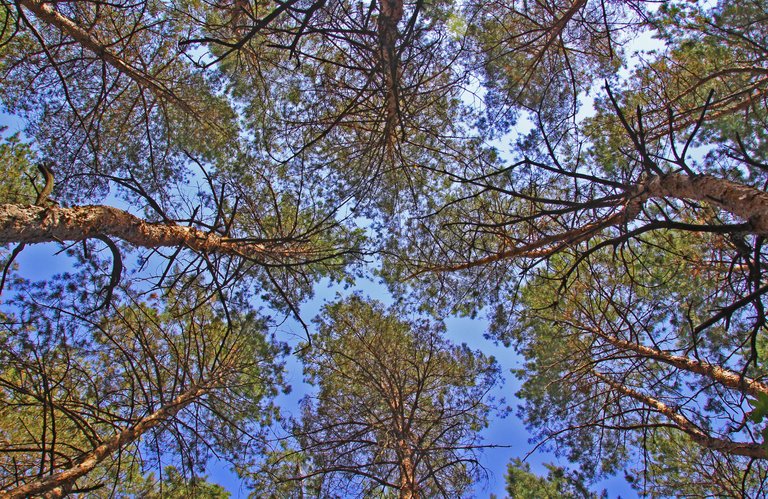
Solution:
(390, 13)
(408, 485)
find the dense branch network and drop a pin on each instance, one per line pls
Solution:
(272, 144)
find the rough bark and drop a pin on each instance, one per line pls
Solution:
(679, 421)
(64, 480)
(37, 224)
(743, 201)
(724, 377)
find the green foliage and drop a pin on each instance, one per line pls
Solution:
(170, 484)
(564, 325)
(540, 57)
(91, 379)
(396, 407)
(523, 484)
(760, 408)
(676, 467)
(16, 170)
(175, 486)
(320, 134)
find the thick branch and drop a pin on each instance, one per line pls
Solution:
(741, 200)
(558, 27)
(724, 445)
(87, 462)
(725, 377)
(543, 246)
(37, 224)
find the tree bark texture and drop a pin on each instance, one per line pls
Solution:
(37, 224)
(390, 13)
(744, 201)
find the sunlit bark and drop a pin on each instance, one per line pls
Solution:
(679, 421)
(36, 224)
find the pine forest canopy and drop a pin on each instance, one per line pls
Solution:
(202, 165)
(397, 408)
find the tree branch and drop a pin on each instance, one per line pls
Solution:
(87, 462)
(36, 224)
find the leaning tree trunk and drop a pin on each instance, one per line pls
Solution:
(720, 375)
(682, 423)
(743, 201)
(60, 483)
(37, 224)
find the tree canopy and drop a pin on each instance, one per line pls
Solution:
(397, 408)
(201, 166)
(523, 484)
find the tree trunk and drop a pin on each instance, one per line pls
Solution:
(741, 200)
(36, 224)
(679, 421)
(64, 480)
(46, 13)
(408, 485)
(723, 376)
(390, 13)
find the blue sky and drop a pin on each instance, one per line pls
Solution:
(40, 262)
(509, 431)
